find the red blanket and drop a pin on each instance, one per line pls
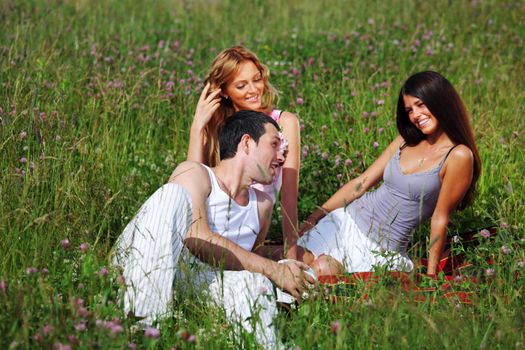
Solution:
(450, 284)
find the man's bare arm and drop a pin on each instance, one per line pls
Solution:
(216, 250)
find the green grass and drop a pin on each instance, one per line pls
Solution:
(88, 84)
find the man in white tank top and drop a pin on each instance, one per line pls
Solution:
(182, 213)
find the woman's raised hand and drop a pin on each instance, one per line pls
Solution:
(207, 105)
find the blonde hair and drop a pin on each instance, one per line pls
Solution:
(222, 72)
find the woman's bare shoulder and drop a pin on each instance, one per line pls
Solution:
(288, 117)
(461, 155)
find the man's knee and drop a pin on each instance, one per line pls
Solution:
(304, 255)
(325, 265)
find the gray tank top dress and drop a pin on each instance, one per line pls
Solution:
(376, 228)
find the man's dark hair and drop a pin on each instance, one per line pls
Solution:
(239, 124)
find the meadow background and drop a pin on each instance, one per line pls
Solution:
(96, 100)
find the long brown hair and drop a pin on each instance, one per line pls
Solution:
(443, 101)
(222, 72)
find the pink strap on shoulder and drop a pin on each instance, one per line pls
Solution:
(276, 115)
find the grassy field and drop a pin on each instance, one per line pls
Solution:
(96, 100)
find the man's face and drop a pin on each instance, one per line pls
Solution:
(267, 157)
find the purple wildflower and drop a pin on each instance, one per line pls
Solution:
(485, 233)
(121, 280)
(48, 328)
(38, 338)
(299, 101)
(151, 332)
(60, 346)
(505, 250)
(103, 271)
(65, 243)
(82, 312)
(115, 328)
(84, 247)
(335, 326)
(80, 327)
(72, 339)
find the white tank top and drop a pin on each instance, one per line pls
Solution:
(239, 224)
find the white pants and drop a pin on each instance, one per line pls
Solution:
(247, 298)
(148, 251)
(338, 235)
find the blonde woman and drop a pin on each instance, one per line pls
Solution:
(237, 80)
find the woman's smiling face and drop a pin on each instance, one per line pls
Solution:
(247, 88)
(420, 115)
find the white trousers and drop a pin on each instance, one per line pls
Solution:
(247, 298)
(148, 251)
(338, 235)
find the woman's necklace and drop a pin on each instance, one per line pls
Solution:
(432, 152)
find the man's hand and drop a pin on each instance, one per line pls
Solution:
(290, 276)
(292, 252)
